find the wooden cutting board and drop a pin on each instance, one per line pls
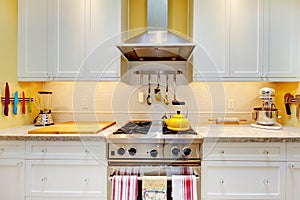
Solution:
(72, 127)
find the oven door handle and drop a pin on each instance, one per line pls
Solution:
(169, 178)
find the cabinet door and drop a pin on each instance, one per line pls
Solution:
(293, 181)
(70, 178)
(68, 38)
(103, 33)
(280, 39)
(242, 180)
(12, 179)
(210, 34)
(245, 36)
(34, 36)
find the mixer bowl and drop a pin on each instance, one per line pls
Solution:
(265, 117)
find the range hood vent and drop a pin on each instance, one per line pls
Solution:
(157, 43)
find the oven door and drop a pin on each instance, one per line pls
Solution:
(154, 170)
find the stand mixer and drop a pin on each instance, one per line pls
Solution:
(267, 115)
(44, 118)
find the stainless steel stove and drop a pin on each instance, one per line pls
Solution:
(148, 148)
(152, 140)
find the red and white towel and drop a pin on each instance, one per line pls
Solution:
(184, 187)
(124, 188)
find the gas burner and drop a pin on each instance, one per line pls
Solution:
(165, 130)
(134, 127)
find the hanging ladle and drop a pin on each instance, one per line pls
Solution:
(149, 100)
(175, 101)
(166, 99)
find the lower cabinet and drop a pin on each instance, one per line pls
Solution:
(12, 179)
(243, 171)
(293, 181)
(242, 180)
(70, 178)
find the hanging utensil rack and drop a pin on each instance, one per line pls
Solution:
(168, 72)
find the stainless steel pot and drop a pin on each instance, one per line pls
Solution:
(265, 117)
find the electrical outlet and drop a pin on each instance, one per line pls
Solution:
(230, 104)
(141, 97)
(85, 103)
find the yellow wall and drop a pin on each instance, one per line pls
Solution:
(8, 65)
(177, 15)
(281, 89)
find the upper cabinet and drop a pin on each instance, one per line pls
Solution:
(69, 40)
(253, 40)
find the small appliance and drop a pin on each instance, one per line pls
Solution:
(267, 115)
(44, 102)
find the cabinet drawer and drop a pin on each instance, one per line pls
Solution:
(66, 198)
(12, 149)
(244, 151)
(239, 180)
(57, 178)
(66, 150)
(293, 151)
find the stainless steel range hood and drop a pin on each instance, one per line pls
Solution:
(157, 43)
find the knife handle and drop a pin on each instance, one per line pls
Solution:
(7, 99)
(23, 103)
(16, 101)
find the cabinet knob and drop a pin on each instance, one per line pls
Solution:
(44, 179)
(221, 181)
(266, 181)
(291, 165)
(266, 152)
(86, 151)
(19, 164)
(44, 150)
(86, 180)
(222, 151)
(2, 149)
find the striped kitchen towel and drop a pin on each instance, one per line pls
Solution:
(184, 187)
(124, 188)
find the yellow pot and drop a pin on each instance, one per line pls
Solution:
(177, 122)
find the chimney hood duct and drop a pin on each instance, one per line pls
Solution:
(157, 43)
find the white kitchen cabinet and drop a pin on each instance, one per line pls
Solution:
(12, 181)
(243, 171)
(104, 25)
(12, 170)
(293, 171)
(66, 169)
(67, 40)
(242, 180)
(246, 40)
(34, 39)
(66, 178)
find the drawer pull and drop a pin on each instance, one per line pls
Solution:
(44, 150)
(291, 165)
(222, 151)
(266, 181)
(221, 181)
(44, 179)
(266, 152)
(86, 180)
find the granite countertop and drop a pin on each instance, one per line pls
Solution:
(207, 133)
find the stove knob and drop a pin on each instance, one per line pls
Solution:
(121, 151)
(186, 151)
(175, 151)
(153, 152)
(132, 151)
